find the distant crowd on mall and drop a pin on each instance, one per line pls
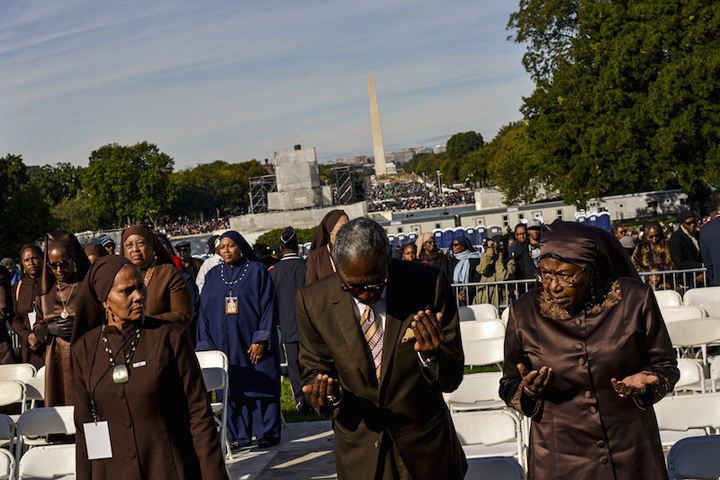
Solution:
(392, 197)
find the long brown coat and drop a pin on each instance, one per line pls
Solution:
(168, 295)
(407, 411)
(581, 428)
(161, 425)
(23, 294)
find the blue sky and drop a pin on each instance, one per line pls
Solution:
(237, 80)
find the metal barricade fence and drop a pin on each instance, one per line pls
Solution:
(502, 294)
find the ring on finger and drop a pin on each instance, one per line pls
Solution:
(331, 399)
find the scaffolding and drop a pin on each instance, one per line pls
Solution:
(259, 189)
(349, 185)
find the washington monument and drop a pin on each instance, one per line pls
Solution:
(380, 167)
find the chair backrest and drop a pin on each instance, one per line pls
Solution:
(698, 296)
(487, 351)
(7, 465)
(480, 329)
(682, 312)
(213, 358)
(481, 311)
(476, 387)
(712, 308)
(44, 421)
(486, 427)
(12, 391)
(694, 332)
(41, 372)
(695, 457)
(55, 462)
(35, 388)
(505, 315)
(691, 373)
(494, 468)
(17, 371)
(215, 378)
(683, 412)
(668, 298)
(7, 427)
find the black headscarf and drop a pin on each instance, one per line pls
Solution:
(66, 242)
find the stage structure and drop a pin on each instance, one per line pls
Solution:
(259, 189)
(350, 185)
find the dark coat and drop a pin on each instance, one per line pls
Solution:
(524, 265)
(407, 409)
(581, 428)
(684, 254)
(319, 265)
(288, 276)
(710, 250)
(161, 424)
(23, 295)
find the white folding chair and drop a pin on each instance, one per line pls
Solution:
(712, 308)
(17, 371)
(12, 392)
(505, 315)
(668, 298)
(698, 296)
(213, 358)
(480, 329)
(34, 425)
(56, 462)
(682, 416)
(494, 468)
(682, 312)
(698, 332)
(478, 391)
(695, 458)
(216, 379)
(481, 311)
(489, 433)
(7, 465)
(7, 432)
(217, 359)
(41, 372)
(485, 351)
(691, 376)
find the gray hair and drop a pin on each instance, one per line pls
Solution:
(8, 262)
(362, 237)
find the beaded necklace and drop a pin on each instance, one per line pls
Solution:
(237, 280)
(121, 374)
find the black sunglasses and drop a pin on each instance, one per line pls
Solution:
(355, 291)
(55, 265)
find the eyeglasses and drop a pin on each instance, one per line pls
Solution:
(690, 222)
(55, 265)
(183, 249)
(355, 291)
(654, 236)
(432, 240)
(563, 280)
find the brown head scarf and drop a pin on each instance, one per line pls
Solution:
(322, 234)
(95, 250)
(161, 255)
(67, 242)
(39, 254)
(587, 246)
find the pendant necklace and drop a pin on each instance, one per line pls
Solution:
(121, 374)
(231, 302)
(65, 313)
(149, 273)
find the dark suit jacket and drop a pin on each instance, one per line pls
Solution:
(710, 250)
(408, 405)
(288, 276)
(683, 252)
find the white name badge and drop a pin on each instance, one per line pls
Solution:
(32, 316)
(97, 440)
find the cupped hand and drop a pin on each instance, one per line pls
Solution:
(535, 382)
(324, 392)
(634, 384)
(428, 332)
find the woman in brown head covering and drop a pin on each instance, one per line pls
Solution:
(24, 293)
(94, 252)
(653, 249)
(58, 305)
(319, 262)
(168, 296)
(139, 376)
(586, 357)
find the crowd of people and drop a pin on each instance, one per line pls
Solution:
(189, 227)
(397, 196)
(366, 332)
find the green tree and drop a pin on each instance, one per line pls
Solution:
(461, 144)
(513, 165)
(24, 215)
(128, 182)
(272, 237)
(633, 104)
(58, 183)
(75, 215)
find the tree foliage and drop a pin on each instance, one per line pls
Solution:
(24, 215)
(58, 183)
(75, 214)
(631, 101)
(462, 144)
(272, 237)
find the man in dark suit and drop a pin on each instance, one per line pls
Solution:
(289, 276)
(685, 248)
(379, 343)
(710, 243)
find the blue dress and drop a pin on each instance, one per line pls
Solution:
(254, 389)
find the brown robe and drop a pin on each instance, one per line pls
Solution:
(58, 384)
(161, 425)
(581, 428)
(23, 294)
(168, 296)
(319, 265)
(6, 352)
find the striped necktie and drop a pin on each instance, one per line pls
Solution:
(373, 333)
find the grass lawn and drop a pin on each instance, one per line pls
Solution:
(287, 405)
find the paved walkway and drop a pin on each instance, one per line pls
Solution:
(305, 452)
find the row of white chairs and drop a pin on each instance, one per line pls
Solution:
(694, 296)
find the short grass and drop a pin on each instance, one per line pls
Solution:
(287, 406)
